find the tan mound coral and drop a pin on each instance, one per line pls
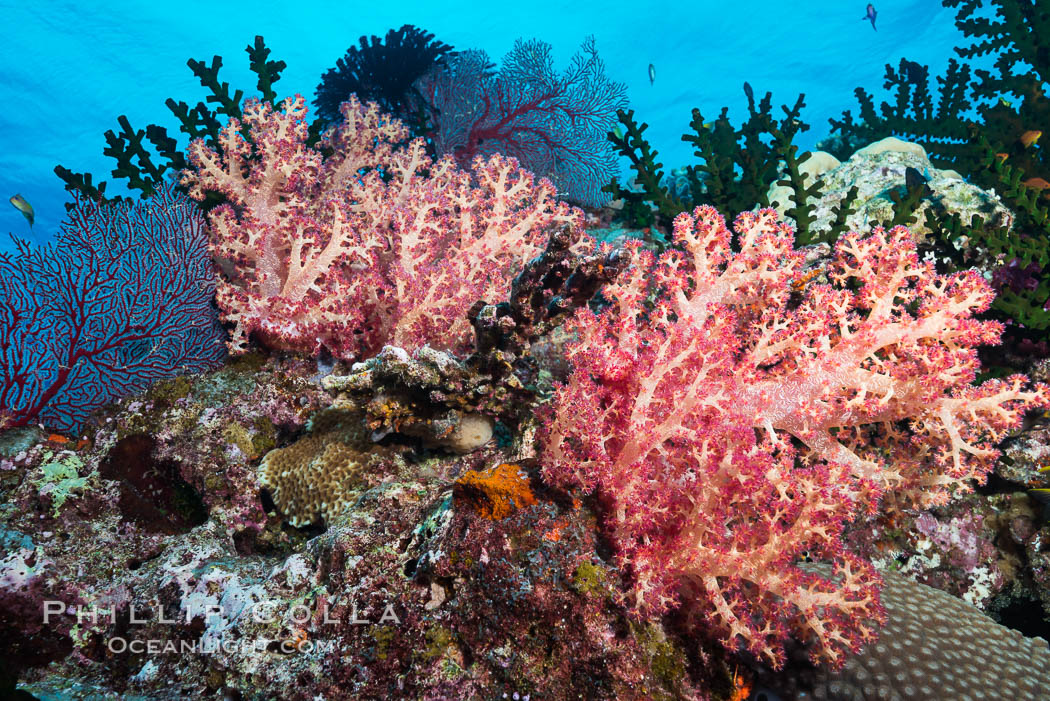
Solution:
(320, 474)
(879, 169)
(933, 647)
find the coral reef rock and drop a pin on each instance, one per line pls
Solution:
(437, 575)
(878, 169)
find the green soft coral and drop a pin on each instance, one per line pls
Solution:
(942, 120)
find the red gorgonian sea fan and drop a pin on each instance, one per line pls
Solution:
(120, 300)
(732, 426)
(555, 124)
(373, 243)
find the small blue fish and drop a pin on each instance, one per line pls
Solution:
(870, 14)
(652, 73)
(22, 205)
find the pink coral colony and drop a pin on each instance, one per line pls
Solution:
(733, 426)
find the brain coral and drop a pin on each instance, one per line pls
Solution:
(934, 647)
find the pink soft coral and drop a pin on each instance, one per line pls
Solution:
(732, 424)
(375, 243)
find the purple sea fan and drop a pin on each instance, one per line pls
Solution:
(121, 299)
(554, 124)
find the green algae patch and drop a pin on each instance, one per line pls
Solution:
(60, 480)
(170, 391)
(248, 363)
(241, 437)
(439, 641)
(589, 578)
(384, 637)
(265, 437)
(666, 660)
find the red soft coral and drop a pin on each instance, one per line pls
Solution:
(374, 243)
(733, 427)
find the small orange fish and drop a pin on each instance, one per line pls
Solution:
(1030, 137)
(1002, 156)
(57, 438)
(801, 282)
(299, 639)
(1036, 183)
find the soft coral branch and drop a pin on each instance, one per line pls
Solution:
(373, 243)
(734, 426)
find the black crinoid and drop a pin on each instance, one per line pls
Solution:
(383, 71)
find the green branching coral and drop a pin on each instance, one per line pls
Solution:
(130, 147)
(738, 165)
(1024, 250)
(631, 143)
(1009, 102)
(800, 211)
(943, 121)
(1019, 35)
(986, 125)
(1024, 200)
(735, 169)
(915, 113)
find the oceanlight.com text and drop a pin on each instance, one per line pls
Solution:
(119, 645)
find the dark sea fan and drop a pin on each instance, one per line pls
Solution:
(382, 71)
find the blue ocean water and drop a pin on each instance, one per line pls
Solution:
(70, 68)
